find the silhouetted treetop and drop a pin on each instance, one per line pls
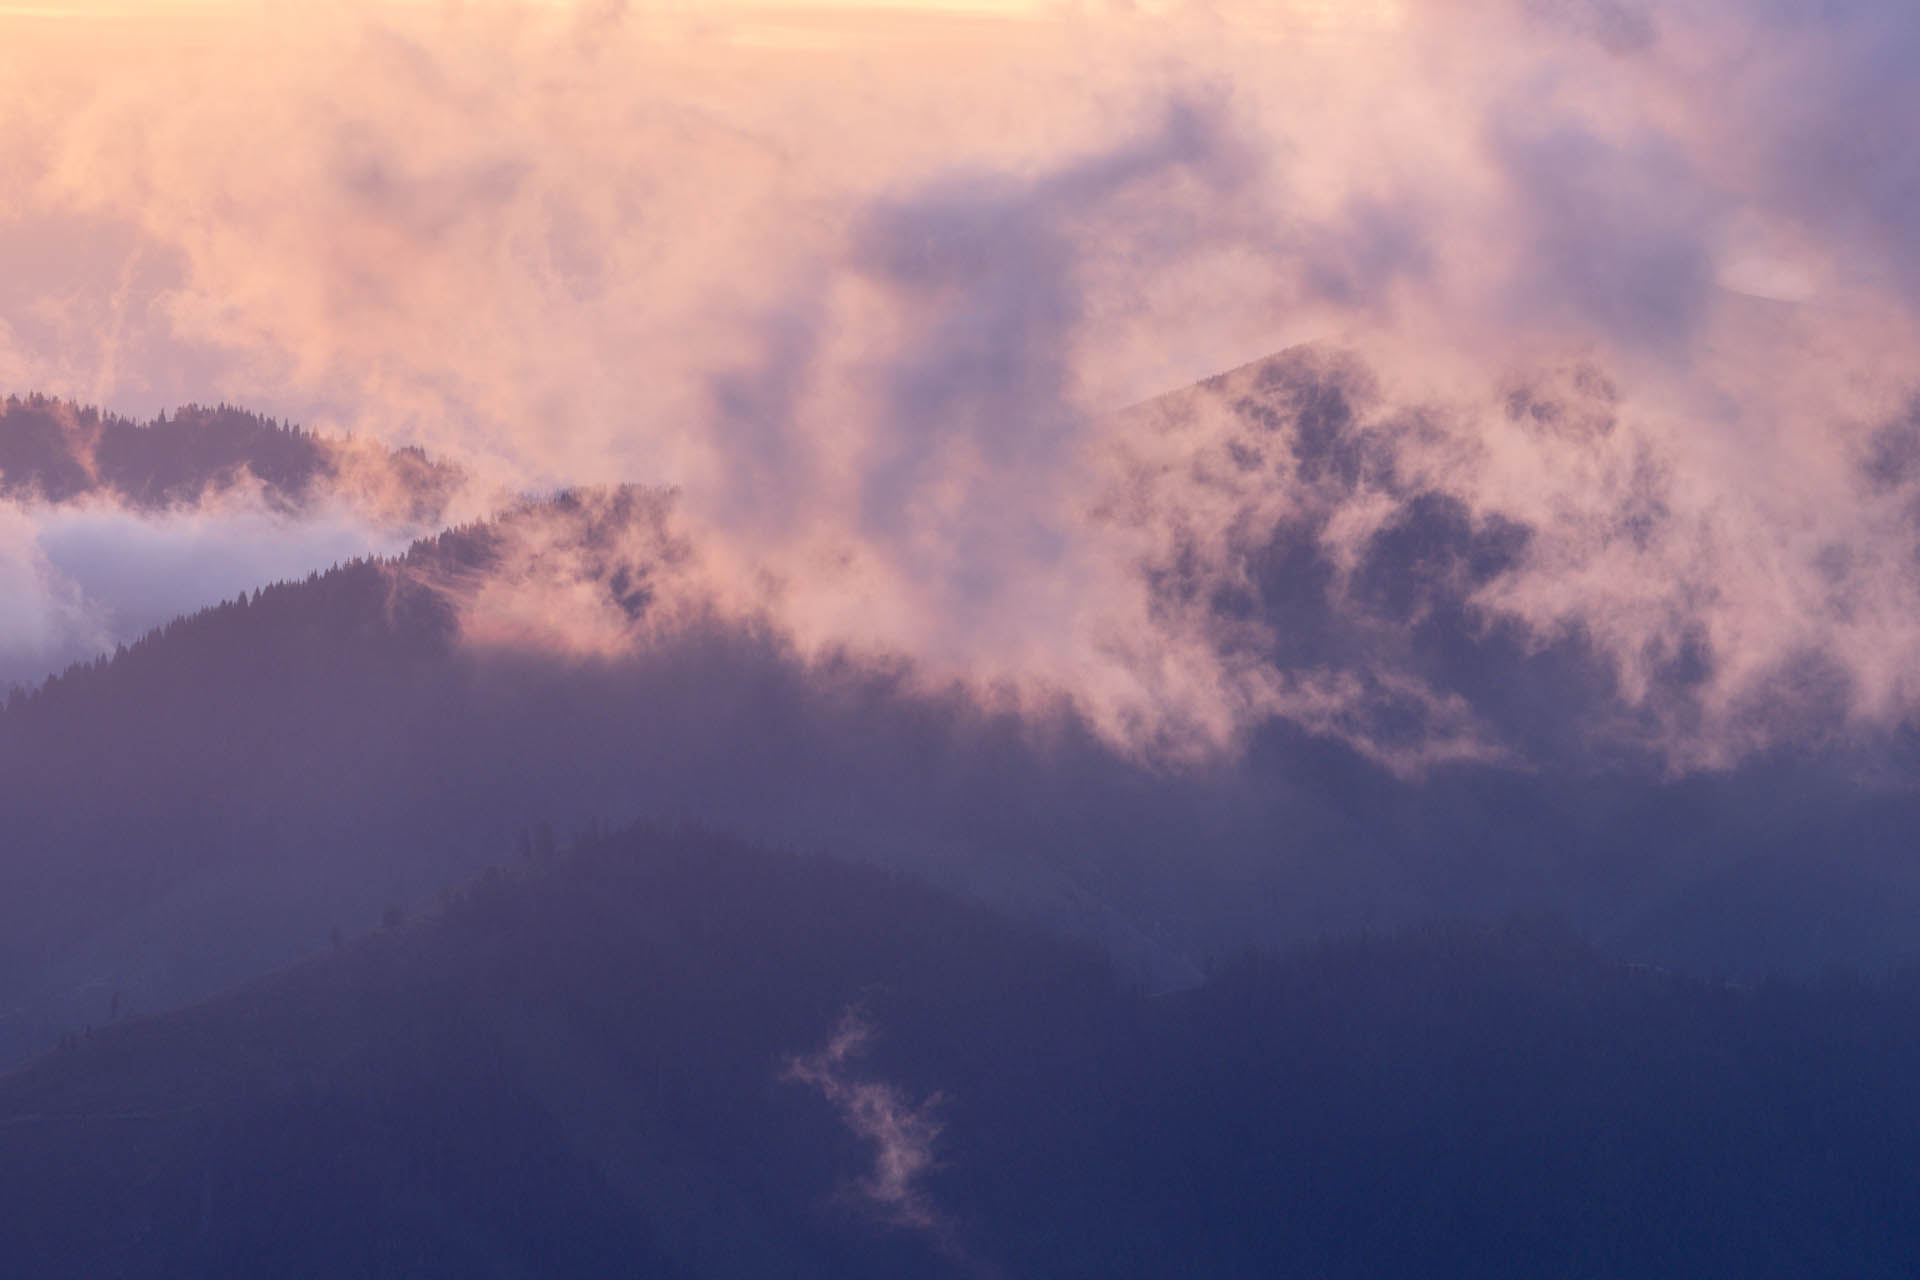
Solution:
(57, 450)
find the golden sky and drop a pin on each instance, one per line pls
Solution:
(170, 8)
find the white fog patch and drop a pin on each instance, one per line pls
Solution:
(79, 578)
(46, 620)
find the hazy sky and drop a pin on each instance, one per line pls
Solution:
(867, 283)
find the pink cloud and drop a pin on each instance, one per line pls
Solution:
(869, 301)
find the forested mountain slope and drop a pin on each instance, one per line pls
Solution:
(665, 1053)
(219, 797)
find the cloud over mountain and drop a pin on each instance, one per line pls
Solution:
(1616, 307)
(110, 528)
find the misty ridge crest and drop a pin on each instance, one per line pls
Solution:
(56, 451)
(109, 528)
(307, 756)
(1509, 577)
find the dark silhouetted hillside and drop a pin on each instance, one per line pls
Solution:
(617, 1059)
(217, 798)
(220, 796)
(58, 451)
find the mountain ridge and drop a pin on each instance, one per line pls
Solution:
(59, 451)
(664, 1052)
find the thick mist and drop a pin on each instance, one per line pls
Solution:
(868, 291)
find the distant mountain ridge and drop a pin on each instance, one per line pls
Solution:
(59, 451)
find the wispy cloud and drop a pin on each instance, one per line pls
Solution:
(902, 1133)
